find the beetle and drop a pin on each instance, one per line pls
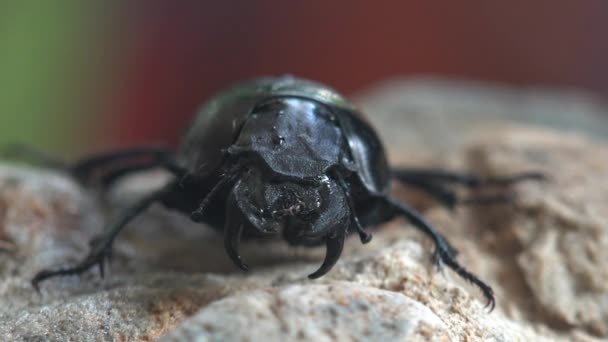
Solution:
(282, 156)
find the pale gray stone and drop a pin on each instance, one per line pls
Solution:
(338, 311)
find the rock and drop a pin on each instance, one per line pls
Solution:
(338, 311)
(560, 232)
(545, 254)
(45, 220)
(426, 115)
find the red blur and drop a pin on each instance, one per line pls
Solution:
(179, 55)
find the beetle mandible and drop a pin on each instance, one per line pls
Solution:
(282, 156)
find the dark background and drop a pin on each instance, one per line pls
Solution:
(137, 71)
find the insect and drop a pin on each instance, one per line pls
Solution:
(281, 156)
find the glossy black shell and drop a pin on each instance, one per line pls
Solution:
(219, 123)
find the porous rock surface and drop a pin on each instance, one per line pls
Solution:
(546, 255)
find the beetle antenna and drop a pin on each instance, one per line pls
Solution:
(198, 214)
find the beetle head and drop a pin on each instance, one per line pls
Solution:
(304, 210)
(307, 212)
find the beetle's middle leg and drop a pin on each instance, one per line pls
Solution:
(101, 247)
(436, 183)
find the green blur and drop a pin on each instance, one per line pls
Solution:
(44, 73)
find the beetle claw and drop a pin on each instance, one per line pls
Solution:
(101, 268)
(232, 237)
(334, 247)
(364, 236)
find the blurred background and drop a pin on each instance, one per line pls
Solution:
(86, 75)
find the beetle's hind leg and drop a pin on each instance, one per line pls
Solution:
(436, 183)
(110, 166)
(32, 155)
(101, 247)
(107, 179)
(104, 168)
(444, 254)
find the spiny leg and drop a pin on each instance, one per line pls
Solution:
(114, 164)
(87, 165)
(465, 179)
(443, 195)
(233, 226)
(364, 236)
(445, 253)
(107, 179)
(435, 182)
(126, 161)
(449, 199)
(101, 248)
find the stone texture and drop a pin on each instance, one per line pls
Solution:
(545, 255)
(438, 114)
(338, 311)
(563, 256)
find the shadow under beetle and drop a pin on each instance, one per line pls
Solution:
(281, 156)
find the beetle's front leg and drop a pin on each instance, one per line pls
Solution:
(435, 182)
(101, 247)
(444, 254)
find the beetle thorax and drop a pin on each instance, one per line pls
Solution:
(292, 136)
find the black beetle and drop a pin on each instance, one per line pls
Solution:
(281, 155)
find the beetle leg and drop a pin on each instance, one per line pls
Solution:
(117, 164)
(101, 247)
(198, 214)
(465, 179)
(334, 245)
(434, 183)
(121, 163)
(444, 252)
(449, 199)
(443, 195)
(364, 236)
(233, 231)
(109, 178)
